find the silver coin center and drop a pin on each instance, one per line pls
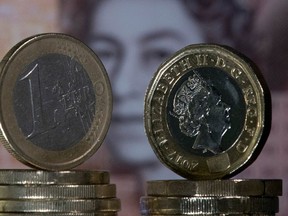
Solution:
(54, 102)
(206, 111)
(201, 113)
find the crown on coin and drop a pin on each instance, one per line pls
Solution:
(189, 89)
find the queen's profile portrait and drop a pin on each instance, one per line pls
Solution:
(201, 113)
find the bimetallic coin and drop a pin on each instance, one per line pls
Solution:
(101, 191)
(208, 205)
(55, 102)
(207, 112)
(61, 205)
(229, 187)
(39, 177)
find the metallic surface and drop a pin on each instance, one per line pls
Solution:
(208, 214)
(40, 177)
(207, 112)
(55, 192)
(55, 102)
(57, 86)
(60, 214)
(203, 205)
(61, 205)
(229, 187)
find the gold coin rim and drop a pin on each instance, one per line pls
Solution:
(189, 205)
(14, 62)
(196, 167)
(220, 187)
(41, 177)
(61, 205)
(27, 192)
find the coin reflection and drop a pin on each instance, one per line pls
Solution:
(201, 114)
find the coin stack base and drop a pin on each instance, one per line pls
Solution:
(59, 193)
(56, 106)
(211, 197)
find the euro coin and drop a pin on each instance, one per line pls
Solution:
(207, 112)
(208, 205)
(55, 102)
(41, 177)
(60, 206)
(57, 191)
(227, 187)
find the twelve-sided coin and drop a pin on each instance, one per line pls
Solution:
(207, 112)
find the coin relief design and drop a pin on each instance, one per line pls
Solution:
(207, 112)
(56, 101)
(207, 115)
(198, 107)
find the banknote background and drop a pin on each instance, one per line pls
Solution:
(20, 19)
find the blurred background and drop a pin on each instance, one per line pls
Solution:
(132, 38)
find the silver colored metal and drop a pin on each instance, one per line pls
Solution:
(39, 177)
(207, 112)
(60, 206)
(219, 187)
(61, 214)
(55, 102)
(208, 205)
(208, 214)
(55, 192)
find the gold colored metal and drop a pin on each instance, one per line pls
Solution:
(41, 177)
(55, 192)
(197, 214)
(61, 214)
(209, 205)
(61, 206)
(229, 187)
(207, 112)
(54, 105)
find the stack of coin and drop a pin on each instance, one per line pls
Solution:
(34, 192)
(207, 117)
(211, 197)
(55, 110)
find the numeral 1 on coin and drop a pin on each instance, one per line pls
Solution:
(36, 101)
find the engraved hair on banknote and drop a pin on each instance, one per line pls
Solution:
(201, 113)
